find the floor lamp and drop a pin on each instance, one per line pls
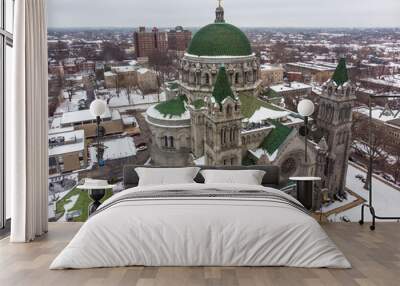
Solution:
(370, 167)
(306, 109)
(97, 108)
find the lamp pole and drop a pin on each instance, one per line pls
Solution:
(98, 120)
(98, 108)
(305, 108)
(305, 137)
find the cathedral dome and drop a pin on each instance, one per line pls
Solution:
(220, 39)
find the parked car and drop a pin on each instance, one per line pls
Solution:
(388, 177)
(359, 176)
(142, 148)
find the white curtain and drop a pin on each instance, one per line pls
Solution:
(26, 119)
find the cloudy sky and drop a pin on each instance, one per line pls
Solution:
(244, 13)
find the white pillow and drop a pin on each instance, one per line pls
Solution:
(166, 176)
(244, 177)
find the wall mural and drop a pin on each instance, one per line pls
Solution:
(172, 99)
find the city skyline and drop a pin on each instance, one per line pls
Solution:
(271, 13)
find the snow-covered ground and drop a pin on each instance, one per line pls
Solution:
(337, 204)
(68, 206)
(386, 199)
(115, 149)
(73, 105)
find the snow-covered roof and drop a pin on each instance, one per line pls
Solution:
(60, 130)
(82, 116)
(379, 113)
(259, 152)
(74, 142)
(129, 119)
(271, 67)
(315, 65)
(263, 114)
(109, 73)
(143, 70)
(389, 80)
(294, 85)
(123, 69)
(116, 149)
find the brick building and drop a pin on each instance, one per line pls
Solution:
(179, 39)
(149, 42)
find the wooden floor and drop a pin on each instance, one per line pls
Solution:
(375, 257)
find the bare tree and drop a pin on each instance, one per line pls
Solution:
(129, 85)
(374, 149)
(69, 86)
(118, 83)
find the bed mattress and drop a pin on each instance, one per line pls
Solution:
(201, 225)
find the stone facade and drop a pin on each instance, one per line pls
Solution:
(222, 133)
(334, 120)
(171, 143)
(197, 75)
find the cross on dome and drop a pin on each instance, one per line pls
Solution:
(219, 13)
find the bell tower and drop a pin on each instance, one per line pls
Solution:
(334, 119)
(222, 144)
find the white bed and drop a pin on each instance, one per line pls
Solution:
(209, 230)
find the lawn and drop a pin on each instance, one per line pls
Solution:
(81, 204)
(250, 104)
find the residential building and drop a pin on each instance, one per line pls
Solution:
(179, 39)
(67, 150)
(271, 74)
(83, 119)
(149, 42)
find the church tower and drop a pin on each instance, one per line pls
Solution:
(334, 120)
(222, 144)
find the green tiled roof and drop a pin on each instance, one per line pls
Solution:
(173, 85)
(172, 107)
(251, 103)
(276, 137)
(220, 39)
(222, 87)
(199, 103)
(340, 75)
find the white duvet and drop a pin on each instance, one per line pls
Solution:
(200, 232)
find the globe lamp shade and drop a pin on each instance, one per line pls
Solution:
(305, 107)
(98, 107)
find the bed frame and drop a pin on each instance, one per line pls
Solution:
(271, 177)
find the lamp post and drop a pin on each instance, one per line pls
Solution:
(305, 109)
(98, 108)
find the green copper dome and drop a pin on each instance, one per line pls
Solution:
(220, 39)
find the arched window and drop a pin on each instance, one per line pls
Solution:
(228, 110)
(237, 78)
(165, 141)
(171, 142)
(207, 78)
(224, 136)
(231, 135)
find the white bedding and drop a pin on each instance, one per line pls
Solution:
(200, 232)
